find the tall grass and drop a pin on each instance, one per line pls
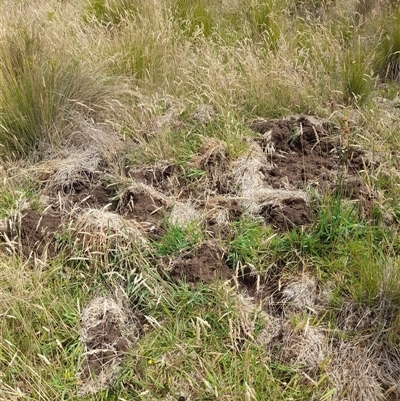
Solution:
(39, 90)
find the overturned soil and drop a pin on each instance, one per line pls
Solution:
(96, 197)
(142, 206)
(203, 264)
(294, 154)
(106, 343)
(34, 233)
(289, 214)
(304, 153)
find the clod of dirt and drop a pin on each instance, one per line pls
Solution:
(144, 204)
(202, 264)
(107, 331)
(163, 177)
(212, 157)
(32, 233)
(219, 211)
(283, 208)
(288, 214)
(300, 151)
(95, 197)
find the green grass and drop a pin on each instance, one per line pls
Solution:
(40, 350)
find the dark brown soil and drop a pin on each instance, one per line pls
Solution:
(204, 264)
(34, 232)
(291, 213)
(306, 153)
(141, 206)
(164, 179)
(105, 345)
(96, 197)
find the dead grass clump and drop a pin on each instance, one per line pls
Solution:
(219, 211)
(183, 213)
(104, 137)
(298, 295)
(203, 114)
(162, 175)
(75, 173)
(354, 373)
(108, 330)
(305, 346)
(101, 232)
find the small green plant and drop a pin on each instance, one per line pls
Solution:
(194, 16)
(247, 247)
(262, 19)
(337, 222)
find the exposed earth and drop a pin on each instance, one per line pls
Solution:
(288, 160)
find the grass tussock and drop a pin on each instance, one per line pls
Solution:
(156, 244)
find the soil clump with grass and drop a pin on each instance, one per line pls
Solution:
(204, 264)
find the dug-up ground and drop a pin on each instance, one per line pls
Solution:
(102, 203)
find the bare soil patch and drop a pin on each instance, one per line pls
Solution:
(290, 213)
(143, 204)
(97, 197)
(107, 331)
(302, 153)
(305, 151)
(202, 264)
(33, 233)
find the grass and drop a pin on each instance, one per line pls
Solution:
(138, 86)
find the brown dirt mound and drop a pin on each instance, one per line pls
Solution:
(303, 151)
(94, 197)
(107, 330)
(203, 264)
(218, 212)
(142, 203)
(33, 233)
(163, 177)
(290, 213)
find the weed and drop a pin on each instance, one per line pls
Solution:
(109, 12)
(194, 17)
(247, 247)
